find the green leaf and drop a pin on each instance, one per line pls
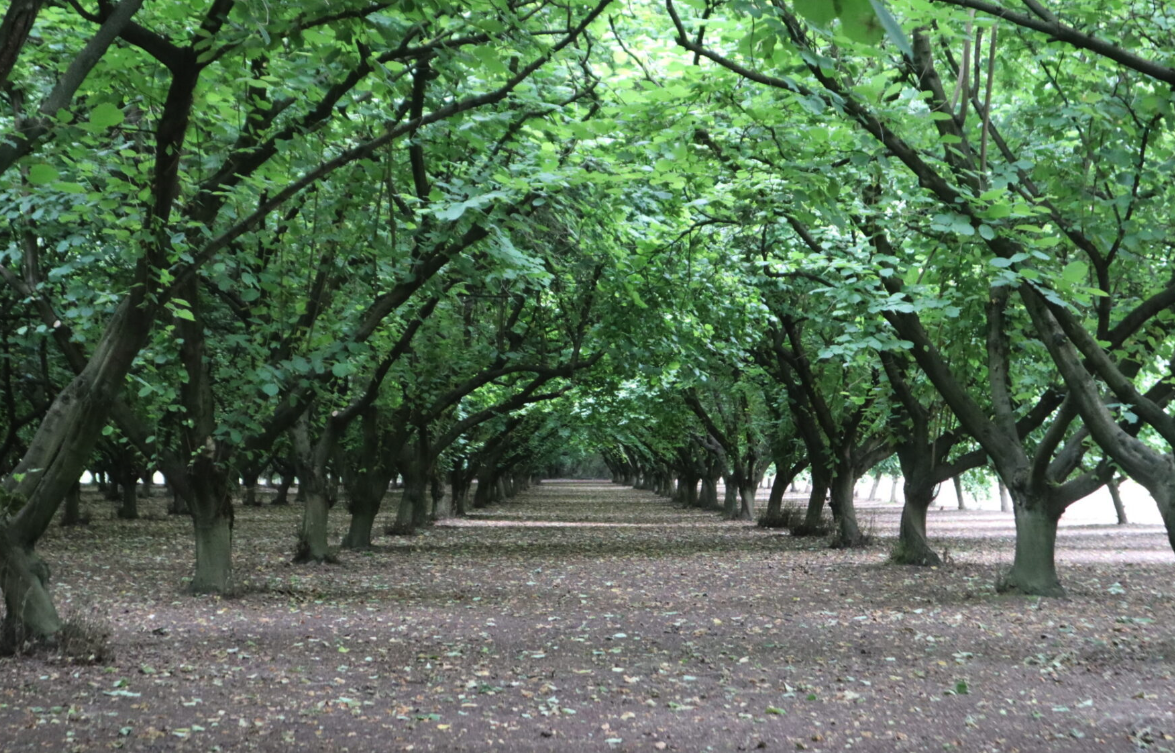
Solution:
(42, 174)
(893, 29)
(106, 115)
(452, 212)
(184, 314)
(818, 12)
(858, 21)
(1075, 272)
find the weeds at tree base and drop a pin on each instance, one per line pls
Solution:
(302, 555)
(903, 554)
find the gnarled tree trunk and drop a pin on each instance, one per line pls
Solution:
(913, 547)
(1034, 568)
(848, 531)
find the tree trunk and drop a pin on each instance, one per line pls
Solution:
(442, 498)
(412, 500)
(813, 524)
(459, 488)
(211, 506)
(1005, 500)
(24, 578)
(363, 514)
(747, 492)
(729, 497)
(774, 515)
(73, 506)
(1034, 569)
(128, 480)
(483, 492)
(848, 533)
(913, 547)
(283, 491)
(876, 484)
(214, 552)
(55, 459)
(709, 497)
(312, 545)
(958, 482)
(690, 493)
(785, 476)
(893, 491)
(1164, 496)
(178, 505)
(1116, 496)
(413, 505)
(111, 492)
(249, 481)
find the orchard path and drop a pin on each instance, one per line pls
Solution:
(588, 617)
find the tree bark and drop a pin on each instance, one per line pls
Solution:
(958, 483)
(913, 547)
(876, 484)
(1116, 496)
(367, 484)
(73, 506)
(730, 497)
(708, 500)
(312, 545)
(249, 478)
(24, 578)
(282, 498)
(442, 498)
(775, 500)
(178, 505)
(1005, 500)
(813, 524)
(1034, 569)
(212, 513)
(459, 485)
(214, 551)
(746, 510)
(413, 505)
(128, 477)
(848, 532)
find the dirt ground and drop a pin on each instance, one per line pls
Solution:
(588, 617)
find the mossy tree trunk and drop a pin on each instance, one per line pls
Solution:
(29, 611)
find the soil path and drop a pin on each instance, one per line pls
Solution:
(587, 617)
